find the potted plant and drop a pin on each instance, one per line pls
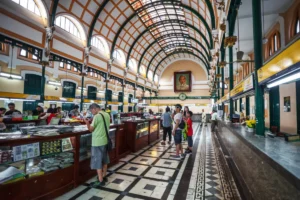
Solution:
(250, 125)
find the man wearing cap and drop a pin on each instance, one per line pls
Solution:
(177, 132)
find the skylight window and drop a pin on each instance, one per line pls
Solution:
(29, 5)
(66, 24)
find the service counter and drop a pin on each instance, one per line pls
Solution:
(34, 157)
(262, 166)
(141, 133)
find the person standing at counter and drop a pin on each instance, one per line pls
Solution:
(2, 112)
(214, 121)
(39, 111)
(167, 126)
(177, 131)
(12, 109)
(99, 157)
(75, 112)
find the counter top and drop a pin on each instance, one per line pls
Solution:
(283, 156)
(32, 139)
(141, 120)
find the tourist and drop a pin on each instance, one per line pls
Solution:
(167, 126)
(214, 121)
(99, 154)
(75, 112)
(203, 118)
(151, 112)
(189, 123)
(177, 131)
(12, 109)
(186, 110)
(2, 112)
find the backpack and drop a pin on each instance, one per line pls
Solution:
(182, 124)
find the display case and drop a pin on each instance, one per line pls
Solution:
(138, 133)
(154, 131)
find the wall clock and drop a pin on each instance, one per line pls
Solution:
(182, 96)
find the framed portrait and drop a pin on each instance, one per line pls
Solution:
(287, 104)
(182, 81)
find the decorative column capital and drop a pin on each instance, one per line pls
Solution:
(230, 41)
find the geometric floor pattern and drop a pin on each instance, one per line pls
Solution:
(154, 173)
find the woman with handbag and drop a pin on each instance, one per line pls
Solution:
(101, 143)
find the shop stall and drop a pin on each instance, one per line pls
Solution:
(43, 162)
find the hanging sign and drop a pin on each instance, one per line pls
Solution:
(31, 49)
(282, 61)
(54, 57)
(243, 86)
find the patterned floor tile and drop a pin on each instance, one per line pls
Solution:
(143, 160)
(149, 188)
(127, 158)
(119, 182)
(154, 154)
(167, 163)
(133, 169)
(160, 173)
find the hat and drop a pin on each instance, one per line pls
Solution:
(178, 105)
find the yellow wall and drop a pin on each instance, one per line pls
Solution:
(288, 120)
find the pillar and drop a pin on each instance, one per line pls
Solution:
(81, 94)
(134, 94)
(258, 61)
(231, 79)
(43, 84)
(106, 95)
(122, 108)
(247, 106)
(241, 102)
(218, 82)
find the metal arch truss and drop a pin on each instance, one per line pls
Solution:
(176, 52)
(179, 50)
(190, 47)
(170, 3)
(97, 15)
(53, 12)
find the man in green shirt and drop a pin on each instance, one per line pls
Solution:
(99, 158)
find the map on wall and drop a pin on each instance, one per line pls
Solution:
(182, 81)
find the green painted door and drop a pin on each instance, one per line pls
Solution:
(298, 105)
(32, 85)
(69, 89)
(67, 106)
(274, 101)
(92, 93)
(109, 95)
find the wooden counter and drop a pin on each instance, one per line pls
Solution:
(141, 133)
(58, 182)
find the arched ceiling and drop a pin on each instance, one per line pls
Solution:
(150, 31)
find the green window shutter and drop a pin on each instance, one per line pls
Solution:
(274, 103)
(69, 89)
(109, 95)
(120, 97)
(67, 106)
(92, 93)
(32, 84)
(130, 96)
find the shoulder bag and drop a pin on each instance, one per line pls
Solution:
(109, 142)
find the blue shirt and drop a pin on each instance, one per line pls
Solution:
(167, 119)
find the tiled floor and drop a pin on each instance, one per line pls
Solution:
(154, 173)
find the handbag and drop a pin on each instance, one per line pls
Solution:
(109, 142)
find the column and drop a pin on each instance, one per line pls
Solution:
(43, 84)
(150, 97)
(134, 95)
(218, 82)
(106, 95)
(122, 108)
(247, 106)
(241, 101)
(231, 110)
(258, 61)
(81, 93)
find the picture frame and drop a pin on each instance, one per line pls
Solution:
(287, 104)
(183, 81)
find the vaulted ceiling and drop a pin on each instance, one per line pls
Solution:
(153, 32)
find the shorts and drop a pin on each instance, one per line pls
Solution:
(190, 141)
(99, 157)
(178, 137)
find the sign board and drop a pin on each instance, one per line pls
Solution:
(282, 61)
(19, 96)
(243, 86)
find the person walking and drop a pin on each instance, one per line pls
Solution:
(203, 118)
(177, 131)
(167, 126)
(214, 120)
(99, 157)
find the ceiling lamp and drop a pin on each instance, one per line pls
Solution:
(54, 83)
(10, 76)
(220, 4)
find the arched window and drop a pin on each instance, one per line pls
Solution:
(101, 44)
(29, 5)
(119, 56)
(156, 78)
(132, 65)
(275, 42)
(150, 75)
(66, 23)
(143, 70)
(297, 28)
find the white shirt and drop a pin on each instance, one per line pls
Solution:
(214, 116)
(178, 116)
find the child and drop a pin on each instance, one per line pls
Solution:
(189, 123)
